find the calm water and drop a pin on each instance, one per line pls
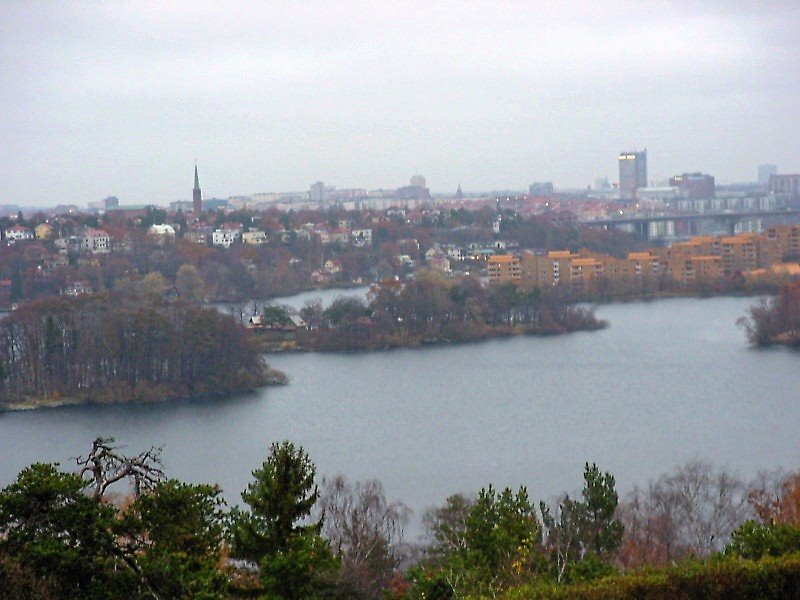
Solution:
(668, 381)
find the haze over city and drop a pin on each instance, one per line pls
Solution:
(119, 99)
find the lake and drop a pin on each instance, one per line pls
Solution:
(668, 381)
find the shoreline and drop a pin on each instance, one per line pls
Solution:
(274, 378)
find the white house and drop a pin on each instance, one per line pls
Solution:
(224, 237)
(166, 231)
(95, 241)
(17, 233)
(361, 237)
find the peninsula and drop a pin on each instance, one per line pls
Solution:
(116, 348)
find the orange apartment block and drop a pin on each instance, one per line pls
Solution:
(703, 267)
(787, 238)
(545, 270)
(747, 252)
(642, 264)
(503, 268)
(584, 271)
(700, 258)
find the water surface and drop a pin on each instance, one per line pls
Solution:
(668, 381)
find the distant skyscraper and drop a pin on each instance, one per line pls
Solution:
(541, 188)
(632, 173)
(197, 196)
(317, 194)
(764, 172)
(418, 181)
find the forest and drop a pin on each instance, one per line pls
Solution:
(432, 309)
(115, 347)
(116, 526)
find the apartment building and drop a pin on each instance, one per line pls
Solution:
(700, 258)
(787, 239)
(503, 268)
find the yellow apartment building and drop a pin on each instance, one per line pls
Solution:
(700, 258)
(584, 271)
(747, 252)
(545, 270)
(787, 239)
(503, 268)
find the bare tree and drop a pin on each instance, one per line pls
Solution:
(689, 512)
(366, 532)
(104, 466)
(562, 538)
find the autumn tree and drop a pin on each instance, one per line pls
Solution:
(691, 511)
(189, 283)
(775, 498)
(365, 532)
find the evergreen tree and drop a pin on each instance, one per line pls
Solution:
(291, 554)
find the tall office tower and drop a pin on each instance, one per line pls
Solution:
(197, 197)
(632, 173)
(317, 194)
(764, 172)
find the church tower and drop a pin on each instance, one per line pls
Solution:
(197, 197)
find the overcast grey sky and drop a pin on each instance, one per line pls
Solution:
(119, 98)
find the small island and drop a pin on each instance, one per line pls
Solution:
(115, 348)
(428, 310)
(775, 320)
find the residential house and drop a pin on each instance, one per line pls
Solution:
(226, 235)
(162, 232)
(17, 233)
(44, 231)
(332, 266)
(361, 237)
(436, 259)
(254, 238)
(77, 288)
(95, 241)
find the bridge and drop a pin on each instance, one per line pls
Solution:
(729, 219)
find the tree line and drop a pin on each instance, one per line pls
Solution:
(117, 527)
(434, 309)
(117, 347)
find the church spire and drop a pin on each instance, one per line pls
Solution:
(197, 196)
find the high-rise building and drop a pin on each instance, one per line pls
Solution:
(764, 172)
(632, 173)
(197, 196)
(317, 194)
(541, 188)
(695, 186)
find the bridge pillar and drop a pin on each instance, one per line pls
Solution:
(644, 230)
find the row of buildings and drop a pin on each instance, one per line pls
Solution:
(702, 258)
(91, 240)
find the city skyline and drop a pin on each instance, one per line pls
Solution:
(103, 100)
